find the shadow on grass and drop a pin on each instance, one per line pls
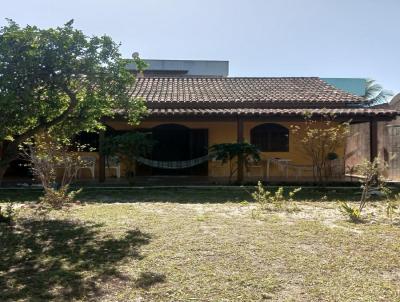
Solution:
(211, 195)
(61, 260)
(148, 279)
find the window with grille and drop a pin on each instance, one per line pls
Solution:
(270, 138)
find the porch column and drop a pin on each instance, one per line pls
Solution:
(102, 159)
(373, 139)
(240, 139)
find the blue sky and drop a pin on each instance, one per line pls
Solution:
(337, 38)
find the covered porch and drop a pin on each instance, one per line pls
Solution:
(184, 138)
(186, 135)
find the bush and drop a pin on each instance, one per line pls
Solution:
(57, 199)
(372, 183)
(392, 206)
(8, 215)
(46, 154)
(268, 201)
(353, 213)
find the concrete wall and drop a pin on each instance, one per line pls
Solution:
(351, 85)
(187, 67)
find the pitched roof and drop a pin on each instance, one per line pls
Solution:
(199, 96)
(241, 93)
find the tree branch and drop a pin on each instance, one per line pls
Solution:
(72, 105)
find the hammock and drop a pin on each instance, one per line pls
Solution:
(174, 164)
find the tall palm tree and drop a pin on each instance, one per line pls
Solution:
(375, 94)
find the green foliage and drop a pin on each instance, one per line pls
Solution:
(269, 201)
(229, 152)
(56, 199)
(131, 144)
(140, 64)
(353, 213)
(127, 147)
(61, 81)
(372, 180)
(8, 215)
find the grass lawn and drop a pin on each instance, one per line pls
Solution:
(197, 245)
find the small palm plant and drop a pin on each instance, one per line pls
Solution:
(127, 147)
(231, 153)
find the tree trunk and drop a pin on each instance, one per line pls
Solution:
(3, 169)
(7, 155)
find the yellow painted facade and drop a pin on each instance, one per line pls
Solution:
(226, 132)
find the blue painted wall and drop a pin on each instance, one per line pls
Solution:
(190, 67)
(352, 85)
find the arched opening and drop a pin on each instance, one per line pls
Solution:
(270, 137)
(178, 143)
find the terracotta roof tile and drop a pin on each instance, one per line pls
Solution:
(240, 92)
(250, 97)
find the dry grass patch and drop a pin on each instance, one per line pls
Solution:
(154, 251)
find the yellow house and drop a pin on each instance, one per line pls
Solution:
(193, 105)
(189, 114)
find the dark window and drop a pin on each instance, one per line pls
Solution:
(270, 138)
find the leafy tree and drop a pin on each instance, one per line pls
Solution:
(232, 152)
(127, 147)
(321, 139)
(375, 94)
(59, 81)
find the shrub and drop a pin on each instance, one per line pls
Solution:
(392, 206)
(268, 201)
(372, 182)
(57, 199)
(8, 215)
(353, 213)
(47, 155)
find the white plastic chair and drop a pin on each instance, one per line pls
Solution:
(113, 163)
(89, 163)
